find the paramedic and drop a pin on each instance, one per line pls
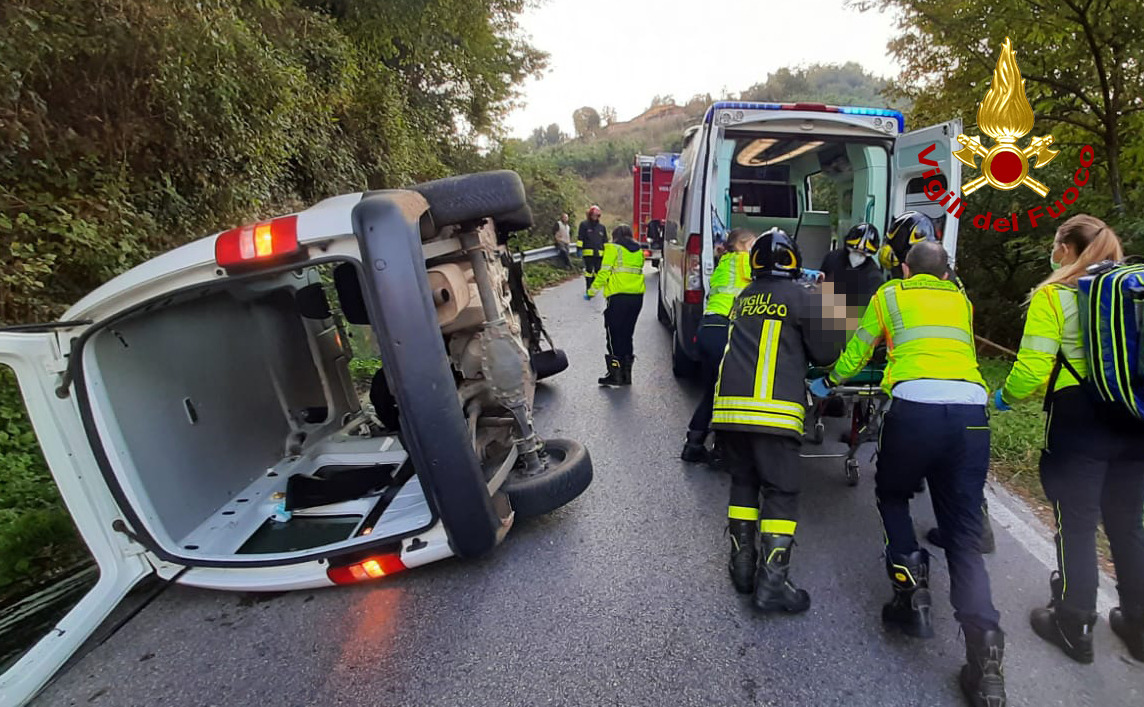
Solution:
(776, 325)
(591, 239)
(938, 394)
(622, 279)
(908, 229)
(1092, 465)
(731, 275)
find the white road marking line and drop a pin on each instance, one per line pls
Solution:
(1016, 517)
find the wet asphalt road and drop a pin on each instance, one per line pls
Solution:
(620, 598)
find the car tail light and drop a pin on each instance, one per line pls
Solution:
(370, 568)
(693, 271)
(258, 243)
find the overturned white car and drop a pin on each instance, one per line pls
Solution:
(200, 418)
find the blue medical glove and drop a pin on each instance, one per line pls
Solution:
(587, 296)
(999, 402)
(819, 388)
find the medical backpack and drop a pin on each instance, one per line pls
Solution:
(1111, 306)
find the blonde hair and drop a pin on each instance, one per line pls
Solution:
(1092, 240)
(739, 237)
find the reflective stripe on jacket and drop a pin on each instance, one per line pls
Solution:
(591, 238)
(1051, 325)
(777, 326)
(621, 272)
(927, 325)
(732, 274)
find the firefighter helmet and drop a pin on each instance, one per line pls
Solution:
(863, 238)
(593, 210)
(776, 253)
(908, 229)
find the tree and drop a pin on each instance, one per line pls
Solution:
(658, 101)
(553, 135)
(608, 115)
(586, 121)
(1082, 61)
(837, 84)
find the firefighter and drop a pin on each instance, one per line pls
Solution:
(907, 230)
(1092, 466)
(937, 428)
(591, 239)
(853, 268)
(760, 404)
(622, 280)
(731, 275)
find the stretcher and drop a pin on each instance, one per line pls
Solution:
(864, 401)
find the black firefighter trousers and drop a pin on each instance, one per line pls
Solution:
(766, 463)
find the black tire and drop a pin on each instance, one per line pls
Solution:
(682, 365)
(546, 364)
(661, 313)
(569, 472)
(468, 197)
(519, 220)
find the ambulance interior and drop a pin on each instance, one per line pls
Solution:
(815, 189)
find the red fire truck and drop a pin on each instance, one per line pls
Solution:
(651, 183)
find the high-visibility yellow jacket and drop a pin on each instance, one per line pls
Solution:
(777, 328)
(1052, 325)
(732, 274)
(621, 272)
(927, 325)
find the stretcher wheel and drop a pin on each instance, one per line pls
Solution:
(852, 472)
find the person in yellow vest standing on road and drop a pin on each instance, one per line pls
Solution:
(731, 275)
(936, 429)
(621, 277)
(591, 238)
(1092, 464)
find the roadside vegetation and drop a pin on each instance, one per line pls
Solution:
(134, 126)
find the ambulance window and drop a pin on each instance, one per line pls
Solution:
(917, 184)
(45, 568)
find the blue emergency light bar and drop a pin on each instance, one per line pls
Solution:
(819, 107)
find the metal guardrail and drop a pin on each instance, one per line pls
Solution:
(537, 254)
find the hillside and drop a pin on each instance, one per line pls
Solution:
(602, 154)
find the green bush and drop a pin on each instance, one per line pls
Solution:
(36, 532)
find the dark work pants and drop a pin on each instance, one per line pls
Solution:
(1091, 470)
(769, 464)
(591, 267)
(562, 253)
(712, 343)
(620, 324)
(952, 453)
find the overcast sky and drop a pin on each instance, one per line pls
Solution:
(621, 53)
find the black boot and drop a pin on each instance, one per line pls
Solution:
(613, 377)
(717, 459)
(773, 589)
(744, 556)
(626, 370)
(986, 546)
(910, 608)
(982, 679)
(1068, 629)
(1127, 622)
(694, 449)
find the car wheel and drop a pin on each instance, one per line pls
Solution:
(661, 313)
(682, 365)
(567, 472)
(468, 197)
(546, 364)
